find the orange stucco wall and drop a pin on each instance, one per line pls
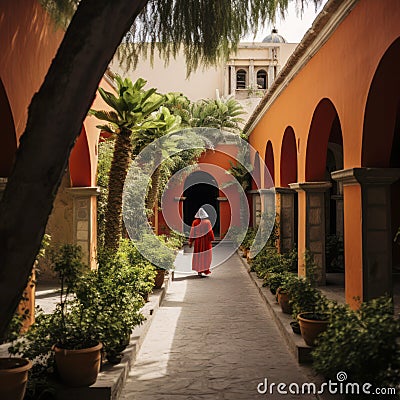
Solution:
(337, 84)
(32, 43)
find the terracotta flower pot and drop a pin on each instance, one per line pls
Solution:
(78, 367)
(159, 281)
(311, 327)
(13, 377)
(284, 302)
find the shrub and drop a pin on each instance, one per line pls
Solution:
(364, 343)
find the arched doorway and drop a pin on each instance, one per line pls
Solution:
(288, 197)
(269, 162)
(381, 149)
(201, 190)
(324, 225)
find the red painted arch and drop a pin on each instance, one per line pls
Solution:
(270, 163)
(79, 162)
(382, 110)
(288, 167)
(320, 130)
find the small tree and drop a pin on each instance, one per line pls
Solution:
(131, 109)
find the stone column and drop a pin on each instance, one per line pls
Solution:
(367, 203)
(252, 80)
(3, 183)
(233, 80)
(271, 77)
(314, 223)
(85, 222)
(256, 207)
(226, 81)
(285, 208)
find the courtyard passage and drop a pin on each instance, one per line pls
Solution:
(213, 338)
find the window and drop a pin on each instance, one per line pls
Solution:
(261, 79)
(241, 79)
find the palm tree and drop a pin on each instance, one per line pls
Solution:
(223, 114)
(159, 125)
(132, 107)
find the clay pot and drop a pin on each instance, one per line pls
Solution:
(78, 368)
(13, 377)
(311, 326)
(159, 281)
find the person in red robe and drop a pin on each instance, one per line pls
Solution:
(201, 234)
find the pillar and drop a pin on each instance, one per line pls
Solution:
(367, 231)
(85, 222)
(233, 80)
(313, 236)
(285, 208)
(255, 207)
(252, 80)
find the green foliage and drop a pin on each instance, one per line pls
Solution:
(270, 260)
(276, 280)
(161, 256)
(364, 343)
(206, 31)
(178, 104)
(131, 106)
(249, 237)
(222, 114)
(304, 297)
(334, 253)
(105, 152)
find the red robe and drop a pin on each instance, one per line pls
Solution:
(201, 235)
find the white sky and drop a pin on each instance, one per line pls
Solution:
(294, 26)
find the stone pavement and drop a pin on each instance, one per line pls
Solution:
(213, 338)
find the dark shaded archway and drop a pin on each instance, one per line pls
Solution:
(269, 162)
(288, 167)
(8, 138)
(201, 189)
(381, 135)
(317, 142)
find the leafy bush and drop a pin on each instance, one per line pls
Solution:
(304, 297)
(364, 343)
(334, 252)
(269, 260)
(249, 238)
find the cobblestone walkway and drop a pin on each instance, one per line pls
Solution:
(212, 339)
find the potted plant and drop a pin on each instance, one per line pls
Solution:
(77, 350)
(283, 295)
(14, 370)
(113, 294)
(365, 341)
(309, 308)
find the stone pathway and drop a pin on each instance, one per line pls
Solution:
(212, 339)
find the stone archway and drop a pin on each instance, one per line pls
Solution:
(380, 185)
(201, 190)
